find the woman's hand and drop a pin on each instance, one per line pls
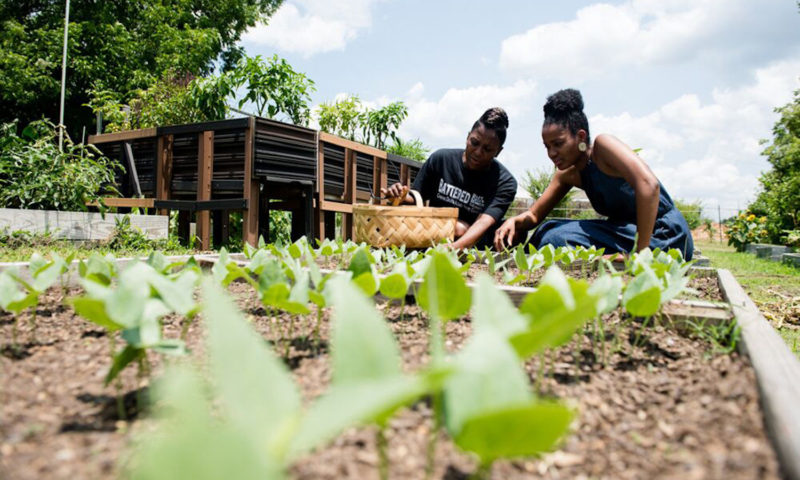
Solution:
(395, 191)
(505, 234)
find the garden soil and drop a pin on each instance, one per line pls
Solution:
(659, 405)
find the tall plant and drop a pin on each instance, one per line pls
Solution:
(275, 88)
(380, 124)
(341, 117)
(35, 174)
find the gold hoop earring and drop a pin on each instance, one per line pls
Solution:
(582, 146)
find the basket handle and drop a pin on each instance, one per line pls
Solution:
(417, 197)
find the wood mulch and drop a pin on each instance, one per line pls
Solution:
(661, 405)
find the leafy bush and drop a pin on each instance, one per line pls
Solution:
(35, 174)
(169, 101)
(746, 228)
(273, 87)
(411, 149)
(537, 180)
(690, 211)
(791, 238)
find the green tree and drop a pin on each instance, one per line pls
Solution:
(779, 197)
(120, 46)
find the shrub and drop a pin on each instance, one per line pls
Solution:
(536, 181)
(746, 228)
(35, 174)
(411, 149)
(691, 212)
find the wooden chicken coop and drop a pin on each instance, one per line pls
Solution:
(252, 165)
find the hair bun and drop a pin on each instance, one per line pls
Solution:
(495, 118)
(563, 102)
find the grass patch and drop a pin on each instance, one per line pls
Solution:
(773, 286)
(19, 246)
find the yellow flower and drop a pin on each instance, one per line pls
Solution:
(742, 216)
(751, 217)
(762, 220)
(763, 233)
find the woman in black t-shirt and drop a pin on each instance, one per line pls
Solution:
(470, 179)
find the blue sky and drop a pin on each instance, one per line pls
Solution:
(693, 83)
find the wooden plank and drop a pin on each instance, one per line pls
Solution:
(125, 202)
(362, 197)
(205, 171)
(164, 169)
(90, 226)
(210, 126)
(251, 216)
(336, 207)
(349, 144)
(777, 372)
(122, 136)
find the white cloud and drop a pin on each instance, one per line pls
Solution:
(313, 26)
(710, 151)
(638, 33)
(447, 121)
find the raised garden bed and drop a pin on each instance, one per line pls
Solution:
(652, 402)
(81, 226)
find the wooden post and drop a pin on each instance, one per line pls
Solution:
(319, 215)
(379, 172)
(184, 218)
(221, 225)
(264, 218)
(251, 188)
(205, 171)
(405, 175)
(164, 169)
(350, 164)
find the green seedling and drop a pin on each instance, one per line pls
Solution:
(361, 266)
(14, 299)
(490, 410)
(246, 420)
(98, 268)
(555, 311)
(134, 307)
(445, 296)
(395, 285)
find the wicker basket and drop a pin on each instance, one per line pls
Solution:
(414, 227)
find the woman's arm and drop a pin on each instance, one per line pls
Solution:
(558, 187)
(612, 153)
(474, 232)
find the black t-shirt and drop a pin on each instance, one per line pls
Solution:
(446, 182)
